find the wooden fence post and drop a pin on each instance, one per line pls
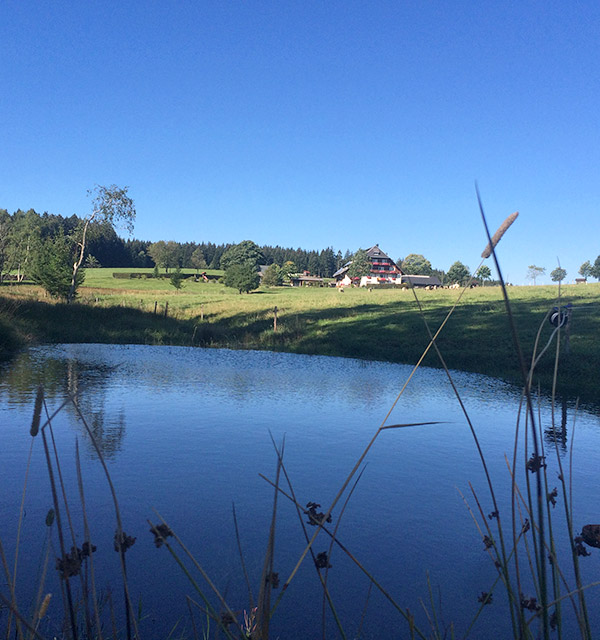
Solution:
(155, 305)
(166, 308)
(275, 319)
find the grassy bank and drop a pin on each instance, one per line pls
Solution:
(377, 325)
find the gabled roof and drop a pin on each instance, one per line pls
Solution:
(376, 252)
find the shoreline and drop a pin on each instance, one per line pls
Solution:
(380, 326)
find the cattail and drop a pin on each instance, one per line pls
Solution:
(37, 412)
(45, 605)
(502, 229)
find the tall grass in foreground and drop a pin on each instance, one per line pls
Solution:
(538, 584)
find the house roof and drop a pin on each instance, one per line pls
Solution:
(303, 278)
(376, 252)
(342, 271)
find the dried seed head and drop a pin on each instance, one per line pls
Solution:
(44, 607)
(502, 229)
(37, 412)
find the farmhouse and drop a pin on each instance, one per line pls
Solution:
(383, 270)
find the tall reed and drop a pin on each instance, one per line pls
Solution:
(520, 540)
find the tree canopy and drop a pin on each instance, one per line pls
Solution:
(198, 260)
(534, 272)
(165, 254)
(458, 273)
(361, 265)
(111, 206)
(104, 242)
(595, 271)
(273, 276)
(416, 265)
(484, 273)
(585, 270)
(558, 274)
(242, 253)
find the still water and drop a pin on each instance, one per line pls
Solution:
(186, 432)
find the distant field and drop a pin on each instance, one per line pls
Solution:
(378, 325)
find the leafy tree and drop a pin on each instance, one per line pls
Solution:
(586, 269)
(176, 278)
(484, 273)
(558, 274)
(288, 269)
(110, 205)
(164, 254)
(416, 265)
(273, 276)
(158, 253)
(534, 272)
(242, 253)
(361, 265)
(52, 267)
(242, 277)
(595, 271)
(197, 259)
(458, 273)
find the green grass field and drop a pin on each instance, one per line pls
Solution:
(378, 325)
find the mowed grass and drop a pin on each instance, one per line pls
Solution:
(382, 324)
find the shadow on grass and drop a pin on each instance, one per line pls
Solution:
(29, 321)
(475, 339)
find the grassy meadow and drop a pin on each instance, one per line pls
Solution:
(382, 324)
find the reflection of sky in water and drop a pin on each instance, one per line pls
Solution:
(187, 431)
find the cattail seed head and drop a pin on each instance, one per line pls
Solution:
(502, 229)
(45, 605)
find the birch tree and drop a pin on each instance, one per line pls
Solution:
(111, 205)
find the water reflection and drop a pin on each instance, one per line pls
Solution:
(63, 377)
(557, 433)
(188, 432)
(94, 373)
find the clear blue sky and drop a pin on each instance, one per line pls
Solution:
(313, 123)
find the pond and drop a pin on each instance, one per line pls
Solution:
(186, 432)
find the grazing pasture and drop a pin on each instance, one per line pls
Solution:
(379, 324)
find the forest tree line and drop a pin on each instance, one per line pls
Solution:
(24, 233)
